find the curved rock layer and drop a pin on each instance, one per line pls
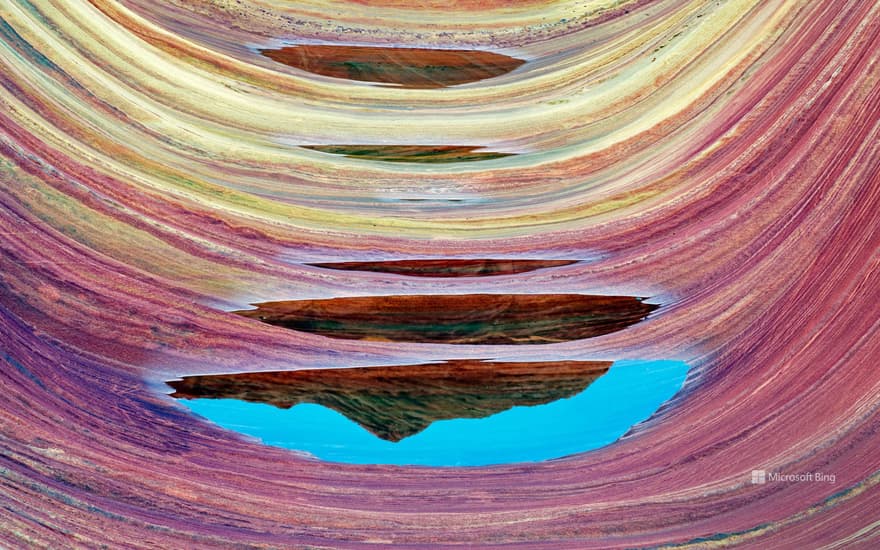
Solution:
(721, 158)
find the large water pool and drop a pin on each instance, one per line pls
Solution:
(628, 393)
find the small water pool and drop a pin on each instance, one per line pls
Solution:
(626, 394)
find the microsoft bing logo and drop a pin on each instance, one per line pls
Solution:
(760, 477)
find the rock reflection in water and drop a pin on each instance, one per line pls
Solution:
(459, 413)
(405, 67)
(458, 319)
(447, 267)
(400, 401)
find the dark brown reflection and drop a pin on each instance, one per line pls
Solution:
(423, 154)
(407, 67)
(448, 268)
(458, 319)
(397, 402)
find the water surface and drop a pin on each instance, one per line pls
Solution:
(421, 154)
(459, 267)
(404, 67)
(495, 319)
(628, 393)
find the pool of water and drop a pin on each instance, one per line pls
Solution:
(404, 67)
(628, 393)
(485, 319)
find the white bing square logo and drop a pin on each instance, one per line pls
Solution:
(759, 477)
